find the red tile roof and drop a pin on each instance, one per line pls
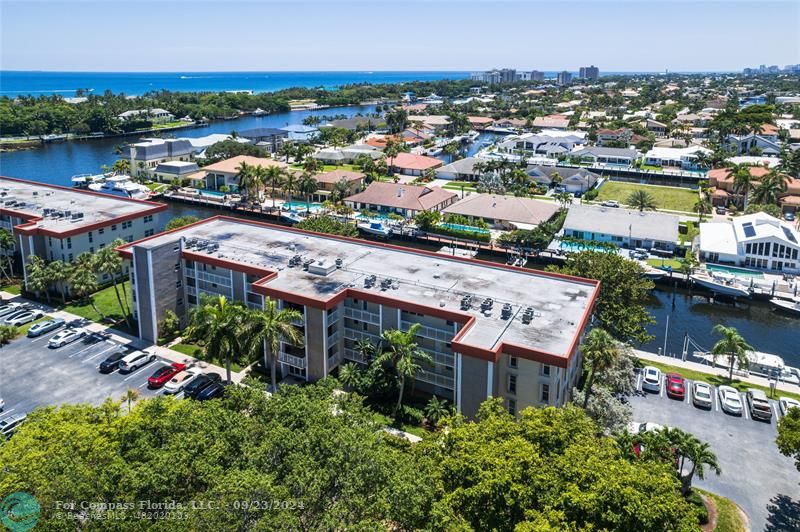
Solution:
(334, 176)
(414, 162)
(398, 195)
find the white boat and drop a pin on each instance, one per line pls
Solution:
(259, 112)
(759, 364)
(792, 306)
(375, 228)
(721, 284)
(123, 186)
(292, 216)
(82, 180)
(651, 272)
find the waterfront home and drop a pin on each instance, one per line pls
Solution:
(147, 154)
(657, 128)
(601, 155)
(720, 182)
(480, 122)
(412, 164)
(683, 158)
(360, 123)
(269, 138)
(754, 144)
(574, 180)
(460, 170)
(504, 212)
(300, 133)
(347, 155)
(477, 351)
(60, 223)
(546, 143)
(328, 180)
(754, 240)
(168, 171)
(226, 173)
(621, 136)
(514, 123)
(551, 122)
(434, 123)
(155, 115)
(623, 227)
(402, 199)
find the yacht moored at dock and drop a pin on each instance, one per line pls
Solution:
(720, 284)
(790, 306)
(122, 186)
(375, 228)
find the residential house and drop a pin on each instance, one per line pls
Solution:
(402, 199)
(551, 122)
(347, 155)
(155, 115)
(623, 227)
(683, 158)
(226, 173)
(721, 190)
(504, 212)
(269, 138)
(327, 180)
(480, 122)
(168, 171)
(147, 154)
(601, 155)
(300, 133)
(574, 180)
(412, 164)
(657, 128)
(359, 123)
(460, 170)
(546, 143)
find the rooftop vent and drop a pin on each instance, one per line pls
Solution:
(466, 302)
(487, 304)
(386, 284)
(527, 316)
(369, 281)
(321, 268)
(506, 312)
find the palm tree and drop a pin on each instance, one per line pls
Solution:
(307, 186)
(217, 323)
(350, 376)
(555, 179)
(340, 190)
(436, 409)
(601, 352)
(7, 247)
(83, 279)
(403, 354)
(287, 150)
(564, 199)
(289, 184)
(702, 207)
(742, 182)
(131, 395)
(246, 177)
(59, 272)
(264, 329)
(37, 277)
(772, 186)
(274, 177)
(642, 200)
(367, 350)
(108, 261)
(732, 345)
(700, 455)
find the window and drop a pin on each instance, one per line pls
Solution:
(544, 370)
(70, 258)
(101, 231)
(178, 283)
(544, 395)
(512, 407)
(69, 243)
(512, 362)
(179, 302)
(91, 249)
(149, 232)
(148, 218)
(114, 227)
(512, 384)
(90, 237)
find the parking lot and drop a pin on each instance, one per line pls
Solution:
(32, 374)
(754, 474)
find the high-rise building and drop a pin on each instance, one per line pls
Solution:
(490, 329)
(564, 78)
(590, 72)
(537, 76)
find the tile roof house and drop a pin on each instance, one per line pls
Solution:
(720, 182)
(405, 200)
(572, 179)
(551, 122)
(327, 181)
(460, 170)
(623, 227)
(411, 164)
(225, 173)
(599, 154)
(480, 122)
(504, 212)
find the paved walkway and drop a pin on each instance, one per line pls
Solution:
(123, 338)
(721, 371)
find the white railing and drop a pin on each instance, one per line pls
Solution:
(436, 379)
(429, 332)
(334, 360)
(332, 339)
(209, 277)
(352, 354)
(334, 316)
(298, 362)
(446, 359)
(352, 334)
(6, 225)
(362, 315)
(191, 290)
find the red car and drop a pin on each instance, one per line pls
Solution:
(163, 375)
(675, 386)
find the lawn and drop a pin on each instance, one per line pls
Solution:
(667, 198)
(332, 167)
(716, 380)
(196, 351)
(106, 302)
(15, 289)
(386, 421)
(728, 517)
(664, 263)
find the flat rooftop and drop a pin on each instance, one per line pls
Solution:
(437, 281)
(28, 199)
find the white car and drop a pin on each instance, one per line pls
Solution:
(729, 400)
(635, 427)
(651, 379)
(787, 403)
(9, 309)
(701, 394)
(66, 336)
(179, 381)
(24, 317)
(610, 203)
(135, 360)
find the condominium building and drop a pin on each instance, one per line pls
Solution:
(59, 223)
(564, 78)
(590, 72)
(491, 329)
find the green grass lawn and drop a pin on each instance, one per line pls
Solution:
(106, 302)
(728, 517)
(663, 263)
(331, 167)
(15, 289)
(650, 167)
(386, 421)
(668, 198)
(716, 380)
(156, 187)
(196, 351)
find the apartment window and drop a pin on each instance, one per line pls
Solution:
(101, 231)
(149, 232)
(178, 283)
(102, 246)
(177, 247)
(512, 362)
(544, 370)
(192, 299)
(512, 407)
(114, 227)
(90, 237)
(69, 243)
(148, 218)
(177, 266)
(91, 249)
(70, 257)
(179, 302)
(512, 384)
(129, 238)
(544, 394)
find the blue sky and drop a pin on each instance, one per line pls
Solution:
(644, 35)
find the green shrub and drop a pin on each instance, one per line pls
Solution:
(696, 499)
(591, 194)
(411, 415)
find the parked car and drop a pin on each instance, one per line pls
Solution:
(65, 337)
(11, 308)
(610, 203)
(789, 216)
(785, 402)
(636, 427)
(24, 317)
(701, 394)
(38, 329)
(651, 380)
(200, 383)
(758, 405)
(135, 360)
(721, 210)
(11, 423)
(213, 391)
(9, 318)
(729, 400)
(676, 388)
(112, 361)
(638, 254)
(178, 382)
(162, 375)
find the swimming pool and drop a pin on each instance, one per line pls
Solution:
(466, 228)
(733, 270)
(212, 193)
(301, 206)
(372, 216)
(571, 247)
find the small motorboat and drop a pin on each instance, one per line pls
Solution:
(292, 216)
(789, 306)
(375, 228)
(122, 186)
(721, 284)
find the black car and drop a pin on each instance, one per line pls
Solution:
(112, 362)
(200, 384)
(211, 391)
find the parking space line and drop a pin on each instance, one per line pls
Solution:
(663, 385)
(639, 382)
(46, 335)
(104, 351)
(688, 388)
(715, 396)
(137, 372)
(744, 407)
(82, 350)
(775, 409)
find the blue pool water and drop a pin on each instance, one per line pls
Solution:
(301, 206)
(467, 228)
(212, 193)
(733, 270)
(575, 247)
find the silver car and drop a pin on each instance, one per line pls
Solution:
(701, 394)
(730, 401)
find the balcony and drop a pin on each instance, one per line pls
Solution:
(334, 316)
(208, 277)
(352, 354)
(429, 332)
(286, 358)
(355, 335)
(436, 379)
(332, 339)
(362, 315)
(334, 360)
(191, 290)
(446, 359)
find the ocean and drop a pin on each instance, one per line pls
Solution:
(15, 83)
